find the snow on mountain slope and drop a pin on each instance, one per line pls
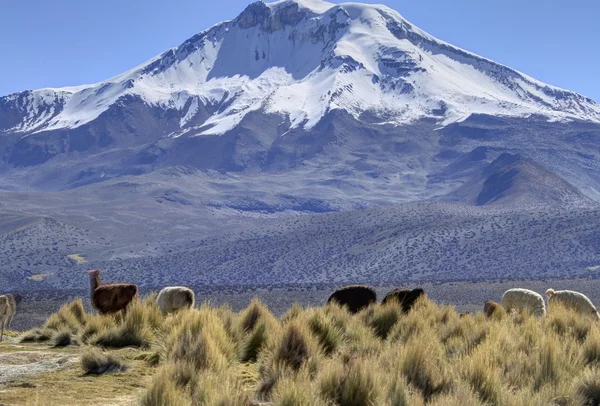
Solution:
(301, 59)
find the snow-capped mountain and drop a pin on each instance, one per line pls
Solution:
(351, 96)
(301, 59)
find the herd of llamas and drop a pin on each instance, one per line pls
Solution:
(115, 297)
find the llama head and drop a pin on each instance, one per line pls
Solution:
(550, 293)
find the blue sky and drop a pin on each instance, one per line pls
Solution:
(72, 42)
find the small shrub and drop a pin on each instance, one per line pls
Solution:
(95, 362)
(63, 339)
(36, 335)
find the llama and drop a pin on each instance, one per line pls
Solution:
(573, 300)
(405, 297)
(524, 300)
(110, 298)
(14, 300)
(355, 297)
(173, 298)
(7, 309)
(490, 307)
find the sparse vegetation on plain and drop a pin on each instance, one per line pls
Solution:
(328, 356)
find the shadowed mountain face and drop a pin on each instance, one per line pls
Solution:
(511, 179)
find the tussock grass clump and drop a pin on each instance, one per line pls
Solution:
(134, 330)
(63, 339)
(255, 312)
(461, 395)
(295, 347)
(591, 347)
(255, 326)
(95, 362)
(330, 336)
(200, 337)
(425, 367)
(71, 317)
(484, 380)
(292, 351)
(201, 352)
(163, 391)
(565, 322)
(254, 342)
(354, 384)
(383, 318)
(296, 391)
(587, 387)
(294, 311)
(96, 324)
(36, 335)
(214, 389)
(78, 311)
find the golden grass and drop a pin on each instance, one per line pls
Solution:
(326, 356)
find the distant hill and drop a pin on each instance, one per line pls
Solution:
(511, 179)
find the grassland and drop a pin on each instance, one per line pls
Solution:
(310, 356)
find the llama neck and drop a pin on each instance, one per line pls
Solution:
(94, 282)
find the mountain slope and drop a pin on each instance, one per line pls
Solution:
(396, 244)
(510, 179)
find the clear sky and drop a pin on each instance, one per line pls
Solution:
(72, 42)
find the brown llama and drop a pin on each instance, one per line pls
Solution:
(490, 307)
(354, 297)
(110, 298)
(406, 298)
